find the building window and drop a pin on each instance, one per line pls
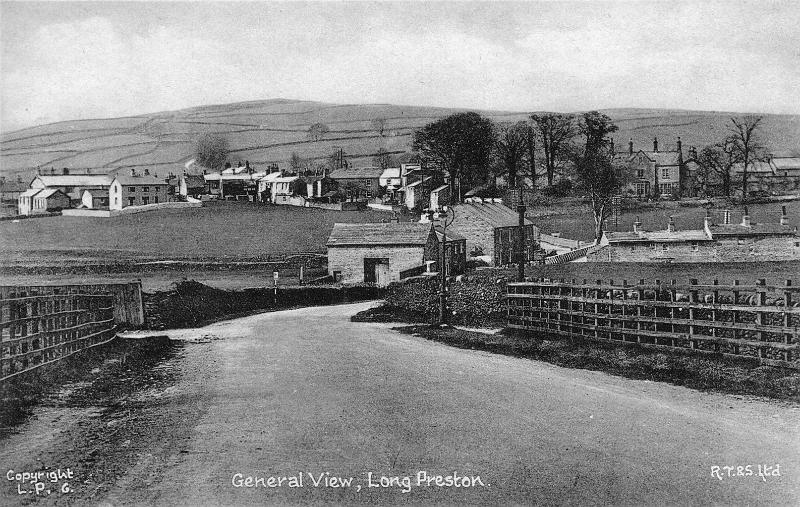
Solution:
(740, 241)
(155, 199)
(665, 247)
(695, 246)
(145, 189)
(366, 183)
(633, 248)
(145, 200)
(640, 173)
(132, 189)
(665, 173)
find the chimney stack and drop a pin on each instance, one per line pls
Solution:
(784, 218)
(707, 221)
(746, 218)
(630, 147)
(655, 144)
(637, 225)
(671, 225)
(726, 217)
(679, 143)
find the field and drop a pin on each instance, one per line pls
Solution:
(221, 231)
(268, 131)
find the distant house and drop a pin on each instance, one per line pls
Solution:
(380, 253)
(95, 199)
(726, 242)
(653, 173)
(492, 228)
(25, 201)
(455, 250)
(416, 193)
(72, 185)
(10, 190)
(440, 196)
(191, 185)
(285, 188)
(319, 187)
(239, 183)
(359, 182)
(46, 200)
(134, 189)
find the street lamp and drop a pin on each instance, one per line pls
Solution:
(446, 215)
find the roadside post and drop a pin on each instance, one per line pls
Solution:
(275, 280)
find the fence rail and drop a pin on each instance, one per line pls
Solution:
(758, 320)
(43, 324)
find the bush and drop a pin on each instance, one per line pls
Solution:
(562, 188)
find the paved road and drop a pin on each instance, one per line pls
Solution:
(307, 392)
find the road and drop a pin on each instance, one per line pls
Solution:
(306, 392)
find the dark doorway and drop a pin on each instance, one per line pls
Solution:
(374, 269)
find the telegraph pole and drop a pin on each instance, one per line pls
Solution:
(521, 249)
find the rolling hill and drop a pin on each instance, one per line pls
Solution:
(269, 131)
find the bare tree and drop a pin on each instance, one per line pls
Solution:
(296, 163)
(379, 125)
(718, 160)
(510, 148)
(556, 131)
(746, 145)
(317, 131)
(383, 159)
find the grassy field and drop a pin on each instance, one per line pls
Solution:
(268, 131)
(223, 231)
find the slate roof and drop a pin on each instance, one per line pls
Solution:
(786, 163)
(48, 192)
(194, 181)
(657, 236)
(492, 213)
(13, 186)
(30, 192)
(662, 158)
(772, 229)
(98, 192)
(127, 179)
(76, 180)
(357, 173)
(757, 167)
(451, 235)
(392, 233)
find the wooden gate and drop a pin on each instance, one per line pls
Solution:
(41, 325)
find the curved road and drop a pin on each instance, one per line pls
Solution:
(308, 392)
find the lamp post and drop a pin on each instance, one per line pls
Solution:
(521, 251)
(444, 214)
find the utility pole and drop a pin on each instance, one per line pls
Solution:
(521, 248)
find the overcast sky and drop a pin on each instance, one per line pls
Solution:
(86, 60)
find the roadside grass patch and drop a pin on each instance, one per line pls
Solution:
(720, 374)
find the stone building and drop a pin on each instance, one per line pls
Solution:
(725, 242)
(380, 253)
(359, 182)
(135, 189)
(492, 229)
(653, 173)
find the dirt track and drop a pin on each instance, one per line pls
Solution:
(307, 392)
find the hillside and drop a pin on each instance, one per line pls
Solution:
(269, 131)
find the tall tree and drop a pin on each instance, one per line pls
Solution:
(556, 132)
(511, 148)
(595, 171)
(296, 163)
(211, 150)
(746, 144)
(718, 160)
(317, 131)
(460, 145)
(383, 159)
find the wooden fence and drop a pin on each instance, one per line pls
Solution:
(44, 324)
(758, 321)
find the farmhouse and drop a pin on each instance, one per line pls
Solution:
(380, 253)
(42, 200)
(286, 189)
(134, 189)
(235, 183)
(72, 184)
(726, 242)
(492, 230)
(653, 173)
(359, 182)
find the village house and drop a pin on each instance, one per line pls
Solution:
(653, 173)
(725, 242)
(455, 250)
(439, 197)
(240, 183)
(320, 187)
(10, 190)
(380, 253)
(286, 190)
(359, 182)
(130, 188)
(191, 185)
(72, 184)
(95, 198)
(42, 200)
(491, 230)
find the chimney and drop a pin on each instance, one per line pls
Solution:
(671, 225)
(784, 218)
(630, 147)
(679, 143)
(637, 225)
(655, 144)
(726, 217)
(65, 171)
(746, 218)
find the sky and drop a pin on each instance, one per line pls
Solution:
(66, 60)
